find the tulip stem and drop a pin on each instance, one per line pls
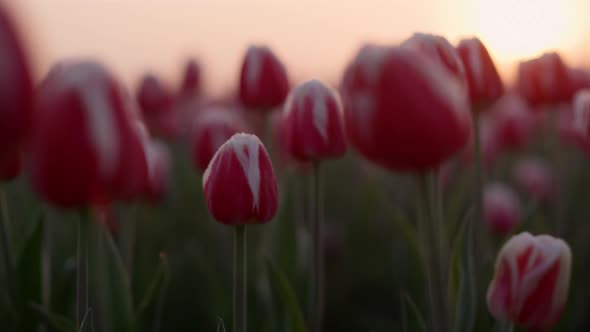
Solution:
(240, 279)
(435, 253)
(7, 243)
(317, 313)
(82, 292)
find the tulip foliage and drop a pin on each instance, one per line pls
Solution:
(460, 205)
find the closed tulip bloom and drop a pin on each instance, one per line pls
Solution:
(213, 127)
(16, 85)
(158, 171)
(485, 84)
(545, 80)
(403, 111)
(514, 123)
(531, 281)
(84, 147)
(191, 81)
(502, 209)
(263, 79)
(580, 79)
(581, 112)
(153, 96)
(534, 177)
(313, 125)
(439, 50)
(239, 183)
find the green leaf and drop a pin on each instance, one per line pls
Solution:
(156, 284)
(29, 275)
(288, 298)
(113, 285)
(54, 321)
(414, 308)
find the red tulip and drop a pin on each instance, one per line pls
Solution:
(531, 282)
(545, 80)
(16, 86)
(485, 84)
(438, 49)
(534, 177)
(211, 129)
(191, 81)
(313, 125)
(84, 148)
(580, 79)
(10, 164)
(402, 111)
(158, 171)
(581, 112)
(263, 79)
(153, 96)
(502, 210)
(239, 183)
(513, 121)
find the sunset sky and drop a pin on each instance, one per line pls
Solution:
(315, 38)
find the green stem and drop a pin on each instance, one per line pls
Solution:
(128, 234)
(559, 163)
(317, 313)
(7, 247)
(82, 291)
(240, 279)
(434, 240)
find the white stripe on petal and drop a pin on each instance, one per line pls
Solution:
(254, 61)
(242, 143)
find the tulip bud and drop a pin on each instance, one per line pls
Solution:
(394, 96)
(153, 96)
(239, 183)
(263, 79)
(16, 87)
(502, 210)
(191, 81)
(545, 80)
(212, 128)
(439, 50)
(84, 146)
(534, 177)
(531, 282)
(313, 124)
(513, 121)
(483, 80)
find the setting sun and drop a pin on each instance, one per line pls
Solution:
(524, 28)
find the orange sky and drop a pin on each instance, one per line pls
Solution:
(315, 38)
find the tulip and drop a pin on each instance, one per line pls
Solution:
(581, 113)
(531, 282)
(241, 188)
(16, 86)
(263, 79)
(393, 96)
(580, 79)
(158, 162)
(313, 125)
(84, 148)
(545, 80)
(153, 97)
(191, 81)
(513, 121)
(439, 50)
(502, 209)
(483, 80)
(239, 183)
(213, 127)
(534, 177)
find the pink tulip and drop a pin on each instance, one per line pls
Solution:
(263, 79)
(16, 91)
(191, 81)
(402, 111)
(545, 80)
(213, 127)
(531, 282)
(85, 148)
(484, 82)
(534, 177)
(502, 209)
(439, 50)
(239, 183)
(313, 125)
(513, 121)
